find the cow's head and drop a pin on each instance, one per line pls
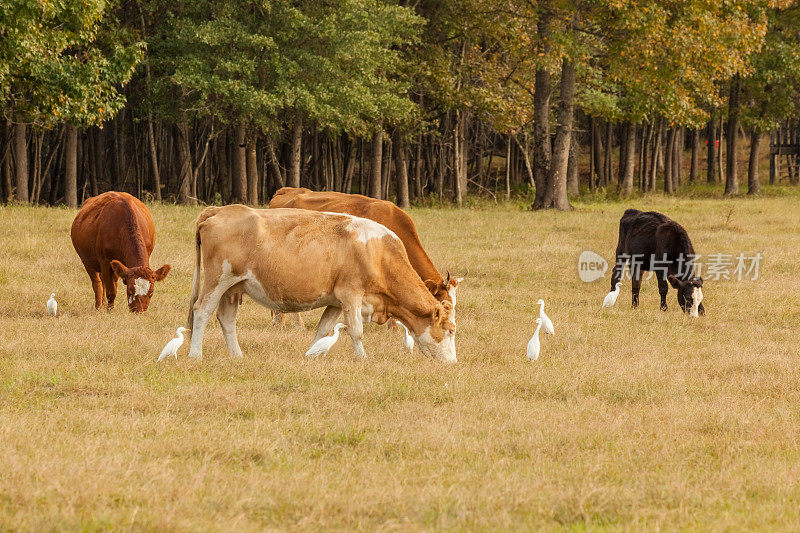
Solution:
(140, 282)
(445, 290)
(438, 338)
(690, 294)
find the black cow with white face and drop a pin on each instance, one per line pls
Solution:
(654, 242)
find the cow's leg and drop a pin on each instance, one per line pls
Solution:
(109, 278)
(355, 327)
(636, 284)
(97, 287)
(204, 307)
(280, 320)
(620, 260)
(663, 288)
(226, 316)
(326, 322)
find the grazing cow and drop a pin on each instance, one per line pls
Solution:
(654, 242)
(114, 236)
(382, 212)
(292, 260)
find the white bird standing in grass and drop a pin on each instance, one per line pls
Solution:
(611, 297)
(172, 346)
(546, 322)
(322, 346)
(52, 305)
(408, 340)
(533, 344)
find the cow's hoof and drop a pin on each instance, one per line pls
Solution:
(663, 307)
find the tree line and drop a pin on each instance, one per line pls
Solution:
(227, 101)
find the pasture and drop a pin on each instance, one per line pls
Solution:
(630, 418)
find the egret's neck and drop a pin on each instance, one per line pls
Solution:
(538, 327)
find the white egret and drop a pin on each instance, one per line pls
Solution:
(611, 297)
(172, 346)
(408, 340)
(52, 305)
(322, 346)
(546, 322)
(533, 344)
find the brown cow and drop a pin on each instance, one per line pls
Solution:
(382, 212)
(292, 260)
(114, 235)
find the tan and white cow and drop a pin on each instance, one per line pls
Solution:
(294, 260)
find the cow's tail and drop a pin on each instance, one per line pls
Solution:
(205, 215)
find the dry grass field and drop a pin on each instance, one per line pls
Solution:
(630, 419)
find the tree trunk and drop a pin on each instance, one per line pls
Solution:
(252, 172)
(297, 144)
(677, 160)
(239, 177)
(556, 194)
(223, 159)
(647, 133)
(8, 188)
(573, 178)
(508, 167)
(623, 146)
(401, 171)
(721, 133)
(350, 166)
(711, 141)
(386, 168)
(607, 159)
(185, 174)
(654, 154)
(626, 187)
(731, 177)
(541, 112)
(375, 164)
(21, 161)
(151, 141)
(71, 167)
(418, 170)
(669, 154)
(753, 183)
(460, 157)
(599, 164)
(695, 156)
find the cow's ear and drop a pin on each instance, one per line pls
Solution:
(121, 270)
(162, 272)
(675, 282)
(437, 314)
(698, 282)
(448, 308)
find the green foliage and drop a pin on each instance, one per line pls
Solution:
(63, 61)
(335, 64)
(772, 88)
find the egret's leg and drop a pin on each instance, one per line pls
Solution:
(109, 279)
(355, 327)
(226, 316)
(326, 322)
